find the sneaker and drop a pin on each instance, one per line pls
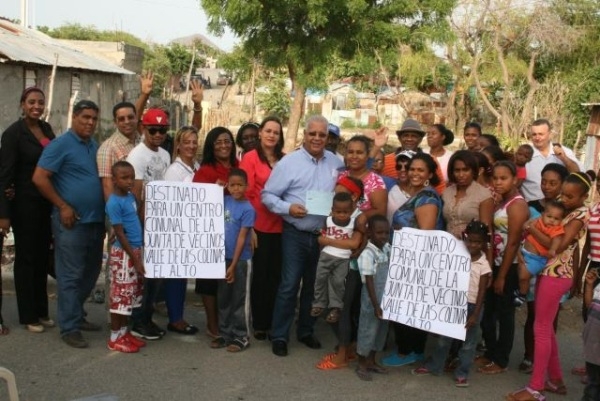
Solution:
(75, 340)
(519, 299)
(461, 382)
(526, 366)
(35, 328)
(145, 331)
(395, 360)
(122, 345)
(155, 327)
(422, 371)
(47, 322)
(134, 340)
(492, 369)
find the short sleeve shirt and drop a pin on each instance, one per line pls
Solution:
(405, 216)
(372, 258)
(458, 213)
(122, 210)
(238, 215)
(149, 165)
(371, 182)
(116, 148)
(479, 267)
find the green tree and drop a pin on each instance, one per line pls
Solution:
(302, 35)
(276, 99)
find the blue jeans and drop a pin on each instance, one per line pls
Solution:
(300, 256)
(78, 260)
(372, 331)
(466, 354)
(175, 289)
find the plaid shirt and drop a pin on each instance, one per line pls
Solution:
(114, 149)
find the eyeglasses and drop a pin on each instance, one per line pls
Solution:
(223, 142)
(154, 131)
(126, 118)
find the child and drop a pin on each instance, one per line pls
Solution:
(591, 336)
(477, 239)
(339, 238)
(125, 265)
(535, 255)
(373, 263)
(231, 293)
(523, 156)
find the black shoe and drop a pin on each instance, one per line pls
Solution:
(519, 299)
(88, 326)
(311, 342)
(260, 335)
(279, 348)
(145, 331)
(155, 327)
(75, 340)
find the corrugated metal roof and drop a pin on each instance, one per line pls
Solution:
(25, 45)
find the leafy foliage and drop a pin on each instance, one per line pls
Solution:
(276, 99)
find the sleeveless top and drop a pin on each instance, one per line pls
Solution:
(501, 231)
(335, 231)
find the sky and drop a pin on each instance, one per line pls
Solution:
(158, 21)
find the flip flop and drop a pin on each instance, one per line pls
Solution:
(555, 388)
(188, 330)
(363, 374)
(3, 330)
(378, 369)
(328, 364)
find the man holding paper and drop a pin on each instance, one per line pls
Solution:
(310, 168)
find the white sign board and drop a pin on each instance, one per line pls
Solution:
(427, 282)
(184, 230)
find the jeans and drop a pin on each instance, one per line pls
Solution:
(232, 304)
(175, 289)
(300, 256)
(498, 322)
(592, 388)
(78, 260)
(372, 331)
(466, 354)
(546, 361)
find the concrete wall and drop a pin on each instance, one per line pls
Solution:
(104, 89)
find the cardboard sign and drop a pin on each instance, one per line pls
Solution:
(428, 281)
(184, 230)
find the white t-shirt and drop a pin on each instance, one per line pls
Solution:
(148, 164)
(396, 198)
(443, 162)
(179, 171)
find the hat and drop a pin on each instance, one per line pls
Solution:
(406, 153)
(410, 125)
(155, 117)
(448, 137)
(333, 130)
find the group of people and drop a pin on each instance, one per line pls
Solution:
(521, 219)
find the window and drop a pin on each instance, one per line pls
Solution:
(75, 83)
(30, 78)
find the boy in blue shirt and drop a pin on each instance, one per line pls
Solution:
(126, 264)
(231, 295)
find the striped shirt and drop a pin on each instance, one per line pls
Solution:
(594, 230)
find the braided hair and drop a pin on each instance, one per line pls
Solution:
(477, 227)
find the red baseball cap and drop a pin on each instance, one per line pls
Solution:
(155, 117)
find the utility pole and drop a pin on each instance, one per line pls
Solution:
(24, 13)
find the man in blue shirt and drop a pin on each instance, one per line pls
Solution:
(67, 175)
(309, 168)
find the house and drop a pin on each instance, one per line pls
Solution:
(27, 58)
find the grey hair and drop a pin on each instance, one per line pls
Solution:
(316, 118)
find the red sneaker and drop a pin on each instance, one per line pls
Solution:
(122, 345)
(134, 340)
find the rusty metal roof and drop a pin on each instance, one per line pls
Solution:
(24, 45)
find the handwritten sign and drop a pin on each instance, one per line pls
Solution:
(427, 282)
(184, 230)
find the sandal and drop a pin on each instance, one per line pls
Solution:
(579, 371)
(555, 388)
(211, 335)
(316, 311)
(218, 342)
(378, 369)
(328, 364)
(187, 329)
(526, 394)
(333, 316)
(3, 330)
(238, 345)
(363, 374)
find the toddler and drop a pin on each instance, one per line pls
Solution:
(523, 156)
(535, 255)
(339, 238)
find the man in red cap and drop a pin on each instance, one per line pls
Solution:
(150, 162)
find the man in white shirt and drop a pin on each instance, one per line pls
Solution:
(545, 152)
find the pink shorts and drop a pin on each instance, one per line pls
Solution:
(126, 285)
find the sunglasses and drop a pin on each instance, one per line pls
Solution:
(400, 167)
(154, 131)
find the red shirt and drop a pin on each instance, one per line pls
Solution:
(258, 174)
(210, 174)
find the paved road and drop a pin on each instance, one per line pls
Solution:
(185, 368)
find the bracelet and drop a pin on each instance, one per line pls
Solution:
(198, 110)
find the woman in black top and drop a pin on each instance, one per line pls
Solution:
(27, 211)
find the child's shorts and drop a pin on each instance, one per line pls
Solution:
(126, 285)
(534, 263)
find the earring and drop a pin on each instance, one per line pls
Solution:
(426, 183)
